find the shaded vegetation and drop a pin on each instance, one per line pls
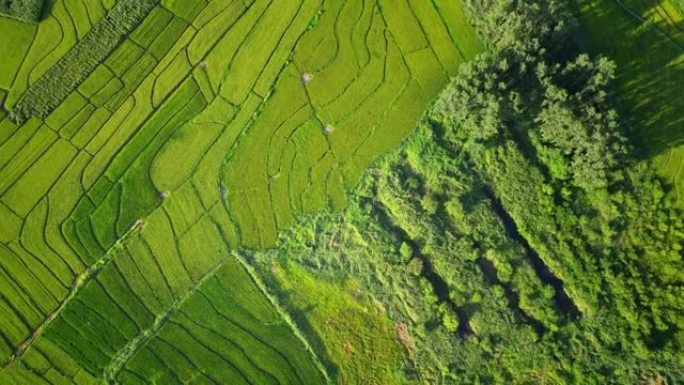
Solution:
(646, 41)
(25, 10)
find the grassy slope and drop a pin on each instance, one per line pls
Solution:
(161, 138)
(648, 47)
(355, 332)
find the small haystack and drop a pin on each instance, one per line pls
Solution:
(306, 78)
(348, 348)
(328, 129)
(404, 337)
(164, 195)
(202, 64)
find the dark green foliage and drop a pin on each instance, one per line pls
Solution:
(679, 5)
(539, 129)
(25, 10)
(525, 28)
(74, 67)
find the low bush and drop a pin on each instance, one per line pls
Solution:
(25, 10)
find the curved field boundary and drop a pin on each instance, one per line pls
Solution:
(63, 78)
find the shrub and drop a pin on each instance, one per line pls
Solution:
(25, 10)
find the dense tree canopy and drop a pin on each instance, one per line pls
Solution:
(539, 127)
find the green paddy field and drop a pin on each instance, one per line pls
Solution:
(254, 192)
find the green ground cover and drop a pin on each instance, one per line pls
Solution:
(141, 166)
(354, 331)
(27, 11)
(17, 38)
(206, 196)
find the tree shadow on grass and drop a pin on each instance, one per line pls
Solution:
(46, 10)
(650, 69)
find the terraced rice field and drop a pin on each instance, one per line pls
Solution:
(646, 40)
(209, 127)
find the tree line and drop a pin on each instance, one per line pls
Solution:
(535, 116)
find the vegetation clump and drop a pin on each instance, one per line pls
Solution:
(28, 11)
(538, 126)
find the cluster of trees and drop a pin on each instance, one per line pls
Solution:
(504, 321)
(559, 251)
(73, 68)
(25, 10)
(535, 117)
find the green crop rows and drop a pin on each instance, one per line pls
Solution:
(140, 163)
(235, 192)
(62, 79)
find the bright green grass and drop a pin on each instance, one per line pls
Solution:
(15, 42)
(647, 43)
(356, 333)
